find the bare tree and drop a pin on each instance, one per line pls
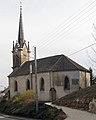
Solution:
(92, 58)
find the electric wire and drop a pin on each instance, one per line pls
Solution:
(73, 19)
(82, 49)
(46, 45)
(63, 34)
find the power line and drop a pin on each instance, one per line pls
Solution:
(82, 49)
(61, 36)
(68, 25)
(70, 18)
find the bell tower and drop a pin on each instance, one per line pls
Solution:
(20, 50)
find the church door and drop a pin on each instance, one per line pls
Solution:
(52, 94)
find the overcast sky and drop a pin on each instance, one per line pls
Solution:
(53, 26)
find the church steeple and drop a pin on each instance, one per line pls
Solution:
(20, 32)
(20, 50)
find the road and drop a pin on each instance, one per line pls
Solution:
(8, 117)
(74, 114)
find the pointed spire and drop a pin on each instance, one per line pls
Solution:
(20, 34)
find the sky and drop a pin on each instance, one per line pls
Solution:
(53, 26)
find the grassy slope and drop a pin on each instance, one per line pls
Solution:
(22, 105)
(79, 99)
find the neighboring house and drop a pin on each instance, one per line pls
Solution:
(5, 94)
(56, 75)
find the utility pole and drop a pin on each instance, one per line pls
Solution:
(36, 88)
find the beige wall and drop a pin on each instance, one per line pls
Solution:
(42, 95)
(21, 80)
(87, 79)
(51, 80)
(84, 79)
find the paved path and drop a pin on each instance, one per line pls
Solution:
(74, 114)
(10, 117)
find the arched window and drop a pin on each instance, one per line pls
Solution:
(15, 86)
(66, 83)
(42, 85)
(28, 85)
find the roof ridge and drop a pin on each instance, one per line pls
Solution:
(56, 62)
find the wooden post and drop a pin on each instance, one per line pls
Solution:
(36, 88)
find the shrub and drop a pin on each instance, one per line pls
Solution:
(25, 97)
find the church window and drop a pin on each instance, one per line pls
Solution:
(28, 85)
(66, 83)
(15, 86)
(42, 85)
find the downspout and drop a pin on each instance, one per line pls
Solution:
(31, 75)
(50, 75)
(85, 80)
(31, 81)
(9, 88)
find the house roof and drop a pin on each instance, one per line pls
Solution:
(5, 91)
(53, 63)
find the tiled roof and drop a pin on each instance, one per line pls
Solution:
(53, 63)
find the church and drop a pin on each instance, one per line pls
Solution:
(57, 75)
